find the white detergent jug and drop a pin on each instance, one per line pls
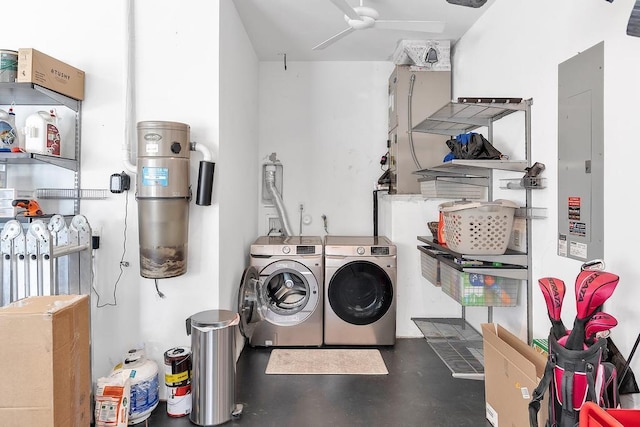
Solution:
(41, 133)
(8, 134)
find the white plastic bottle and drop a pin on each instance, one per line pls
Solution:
(41, 133)
(8, 133)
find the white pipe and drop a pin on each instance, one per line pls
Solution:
(129, 119)
(206, 154)
(270, 179)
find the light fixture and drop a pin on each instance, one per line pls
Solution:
(468, 3)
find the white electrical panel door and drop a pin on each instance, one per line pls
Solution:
(581, 155)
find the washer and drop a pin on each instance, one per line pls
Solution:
(360, 283)
(280, 298)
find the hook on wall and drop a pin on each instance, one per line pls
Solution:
(284, 60)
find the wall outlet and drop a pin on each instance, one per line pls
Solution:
(274, 226)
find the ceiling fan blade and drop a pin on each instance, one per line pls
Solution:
(333, 39)
(346, 9)
(424, 26)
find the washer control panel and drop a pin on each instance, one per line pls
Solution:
(379, 250)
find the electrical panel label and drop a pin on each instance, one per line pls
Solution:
(574, 208)
(578, 249)
(578, 228)
(562, 245)
(155, 177)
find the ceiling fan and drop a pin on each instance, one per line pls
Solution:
(362, 17)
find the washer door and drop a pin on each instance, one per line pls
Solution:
(360, 292)
(289, 292)
(250, 309)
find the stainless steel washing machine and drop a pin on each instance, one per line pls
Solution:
(360, 287)
(280, 297)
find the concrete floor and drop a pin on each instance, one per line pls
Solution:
(418, 391)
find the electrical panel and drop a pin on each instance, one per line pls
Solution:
(581, 155)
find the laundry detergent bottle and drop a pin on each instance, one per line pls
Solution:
(41, 133)
(8, 134)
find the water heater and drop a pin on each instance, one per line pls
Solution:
(163, 194)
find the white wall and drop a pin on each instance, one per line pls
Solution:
(327, 122)
(402, 217)
(185, 70)
(238, 171)
(514, 50)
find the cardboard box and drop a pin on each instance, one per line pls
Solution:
(541, 345)
(45, 351)
(44, 70)
(512, 370)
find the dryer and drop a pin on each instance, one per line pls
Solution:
(360, 290)
(280, 297)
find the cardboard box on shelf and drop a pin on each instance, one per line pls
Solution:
(49, 382)
(44, 70)
(541, 345)
(512, 370)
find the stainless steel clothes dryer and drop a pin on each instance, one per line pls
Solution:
(360, 277)
(280, 297)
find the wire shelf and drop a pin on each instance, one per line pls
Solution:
(71, 193)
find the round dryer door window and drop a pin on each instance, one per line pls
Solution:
(360, 292)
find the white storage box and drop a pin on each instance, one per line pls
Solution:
(478, 228)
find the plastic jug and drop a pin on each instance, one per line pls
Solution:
(41, 133)
(9, 137)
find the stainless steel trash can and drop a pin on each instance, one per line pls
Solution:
(213, 366)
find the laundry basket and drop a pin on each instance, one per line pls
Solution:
(478, 228)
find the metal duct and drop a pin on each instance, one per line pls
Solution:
(270, 180)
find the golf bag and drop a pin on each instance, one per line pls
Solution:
(576, 371)
(572, 378)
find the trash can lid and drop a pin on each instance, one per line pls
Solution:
(215, 319)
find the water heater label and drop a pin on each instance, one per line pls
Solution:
(155, 177)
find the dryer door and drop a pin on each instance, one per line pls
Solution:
(289, 291)
(360, 292)
(249, 307)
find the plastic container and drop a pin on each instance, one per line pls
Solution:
(8, 66)
(145, 386)
(9, 136)
(41, 133)
(478, 228)
(591, 415)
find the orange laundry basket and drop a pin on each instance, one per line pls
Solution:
(591, 415)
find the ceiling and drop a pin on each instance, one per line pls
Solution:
(294, 27)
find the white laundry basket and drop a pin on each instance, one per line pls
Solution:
(478, 228)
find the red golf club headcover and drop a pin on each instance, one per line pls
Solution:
(553, 290)
(599, 322)
(593, 288)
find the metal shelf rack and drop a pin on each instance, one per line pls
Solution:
(464, 116)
